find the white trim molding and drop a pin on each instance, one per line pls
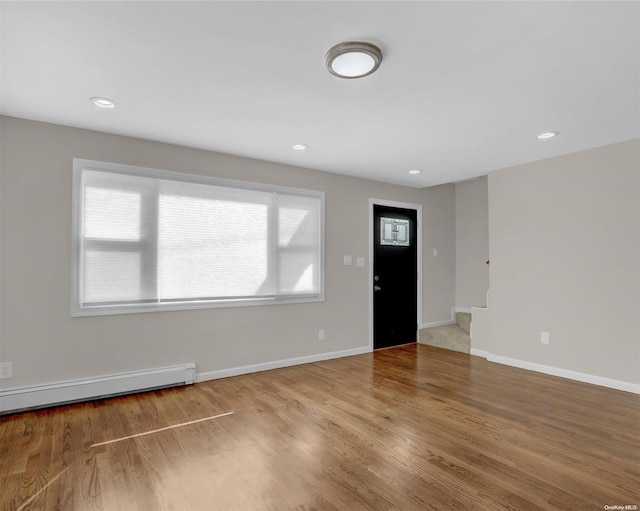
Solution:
(72, 391)
(564, 373)
(277, 364)
(445, 322)
(479, 353)
(438, 323)
(37, 396)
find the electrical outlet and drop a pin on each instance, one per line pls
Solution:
(321, 335)
(544, 337)
(360, 262)
(348, 260)
(6, 370)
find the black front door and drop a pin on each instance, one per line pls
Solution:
(395, 281)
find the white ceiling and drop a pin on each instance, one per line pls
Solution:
(463, 89)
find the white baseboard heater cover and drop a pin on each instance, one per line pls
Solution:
(38, 396)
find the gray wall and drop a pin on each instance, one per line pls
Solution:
(46, 345)
(565, 259)
(564, 248)
(472, 243)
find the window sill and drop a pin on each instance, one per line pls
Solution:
(108, 310)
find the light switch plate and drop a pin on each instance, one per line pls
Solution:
(360, 261)
(6, 370)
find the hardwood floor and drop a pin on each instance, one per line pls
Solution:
(407, 428)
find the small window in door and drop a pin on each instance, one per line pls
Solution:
(394, 231)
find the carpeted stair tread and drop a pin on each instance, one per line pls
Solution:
(450, 337)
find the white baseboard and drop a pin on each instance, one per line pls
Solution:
(447, 322)
(565, 373)
(266, 366)
(437, 323)
(479, 353)
(37, 396)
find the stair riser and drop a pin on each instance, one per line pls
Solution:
(463, 320)
(449, 337)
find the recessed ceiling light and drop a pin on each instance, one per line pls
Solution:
(548, 134)
(103, 102)
(353, 59)
(415, 171)
(299, 147)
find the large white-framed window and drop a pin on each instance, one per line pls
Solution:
(148, 240)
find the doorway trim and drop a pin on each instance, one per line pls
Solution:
(403, 205)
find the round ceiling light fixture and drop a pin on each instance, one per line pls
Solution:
(103, 102)
(353, 59)
(299, 147)
(547, 134)
(415, 171)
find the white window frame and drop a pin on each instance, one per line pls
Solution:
(76, 254)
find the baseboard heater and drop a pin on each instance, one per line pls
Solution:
(39, 396)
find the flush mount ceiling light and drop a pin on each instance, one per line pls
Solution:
(548, 134)
(299, 147)
(415, 171)
(103, 102)
(353, 59)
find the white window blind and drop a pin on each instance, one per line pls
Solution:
(149, 240)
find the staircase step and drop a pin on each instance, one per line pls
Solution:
(463, 320)
(450, 337)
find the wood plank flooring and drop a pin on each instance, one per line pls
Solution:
(409, 428)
